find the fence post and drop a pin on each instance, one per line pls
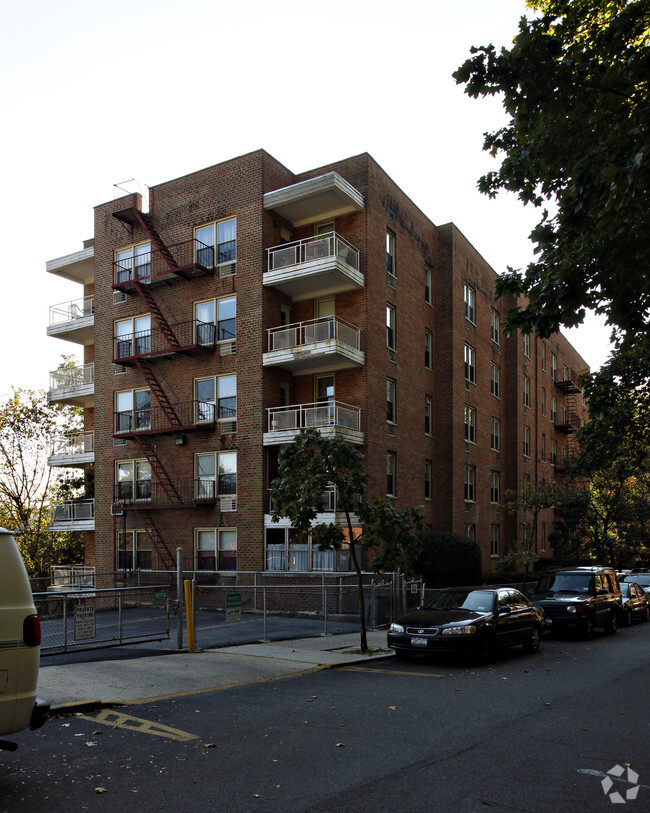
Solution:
(324, 606)
(266, 637)
(119, 615)
(373, 600)
(65, 622)
(189, 616)
(179, 602)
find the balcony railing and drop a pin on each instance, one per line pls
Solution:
(185, 260)
(316, 416)
(74, 443)
(71, 311)
(313, 249)
(189, 336)
(330, 498)
(72, 377)
(144, 494)
(301, 334)
(567, 381)
(186, 415)
(73, 511)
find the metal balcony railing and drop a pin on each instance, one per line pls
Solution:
(150, 493)
(193, 334)
(313, 249)
(301, 334)
(73, 511)
(189, 256)
(318, 415)
(69, 311)
(330, 498)
(69, 377)
(185, 415)
(74, 443)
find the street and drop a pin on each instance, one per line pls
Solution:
(527, 733)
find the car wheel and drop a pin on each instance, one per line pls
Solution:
(588, 629)
(532, 644)
(485, 651)
(404, 654)
(626, 618)
(646, 615)
(611, 625)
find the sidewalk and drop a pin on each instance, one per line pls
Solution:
(122, 681)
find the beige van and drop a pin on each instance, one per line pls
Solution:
(20, 643)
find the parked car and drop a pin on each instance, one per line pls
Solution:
(468, 619)
(642, 579)
(635, 603)
(20, 639)
(578, 600)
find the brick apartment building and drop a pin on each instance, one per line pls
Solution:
(249, 302)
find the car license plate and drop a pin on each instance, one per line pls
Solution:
(418, 641)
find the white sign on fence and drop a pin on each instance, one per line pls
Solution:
(84, 622)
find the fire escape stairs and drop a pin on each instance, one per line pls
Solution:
(145, 221)
(157, 540)
(147, 296)
(159, 394)
(159, 472)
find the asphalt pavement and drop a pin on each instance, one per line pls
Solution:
(125, 675)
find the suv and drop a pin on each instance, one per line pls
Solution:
(579, 599)
(20, 639)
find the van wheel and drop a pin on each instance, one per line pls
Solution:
(611, 625)
(588, 629)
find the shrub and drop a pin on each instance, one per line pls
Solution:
(449, 560)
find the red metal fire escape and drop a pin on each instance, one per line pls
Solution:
(569, 385)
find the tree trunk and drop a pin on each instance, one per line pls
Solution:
(357, 568)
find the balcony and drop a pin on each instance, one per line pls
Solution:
(569, 423)
(569, 382)
(329, 514)
(181, 261)
(73, 385)
(77, 267)
(310, 347)
(146, 495)
(316, 200)
(330, 418)
(315, 267)
(73, 321)
(73, 516)
(181, 416)
(186, 338)
(74, 450)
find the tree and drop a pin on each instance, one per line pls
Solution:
(311, 464)
(28, 428)
(449, 560)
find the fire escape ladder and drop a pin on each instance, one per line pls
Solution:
(157, 540)
(159, 471)
(159, 318)
(145, 221)
(160, 395)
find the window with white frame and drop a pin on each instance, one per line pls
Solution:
(132, 337)
(526, 345)
(495, 327)
(553, 409)
(133, 262)
(390, 327)
(495, 380)
(428, 477)
(553, 452)
(221, 313)
(428, 345)
(215, 474)
(390, 254)
(132, 481)
(470, 531)
(469, 300)
(470, 484)
(553, 367)
(428, 281)
(391, 401)
(216, 243)
(526, 391)
(470, 364)
(543, 450)
(215, 548)
(495, 487)
(132, 410)
(291, 550)
(495, 435)
(428, 414)
(543, 402)
(543, 354)
(526, 448)
(495, 540)
(391, 474)
(133, 550)
(216, 398)
(470, 424)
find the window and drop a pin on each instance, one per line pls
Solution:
(133, 546)
(470, 484)
(495, 487)
(428, 473)
(133, 263)
(288, 549)
(495, 540)
(428, 415)
(526, 391)
(219, 312)
(525, 487)
(428, 293)
(132, 337)
(543, 536)
(495, 327)
(132, 410)
(543, 446)
(390, 327)
(470, 424)
(553, 409)
(470, 365)
(216, 243)
(391, 474)
(390, 254)
(553, 452)
(216, 548)
(526, 345)
(391, 410)
(428, 342)
(470, 532)
(543, 354)
(495, 380)
(469, 299)
(553, 367)
(215, 474)
(133, 481)
(215, 398)
(543, 401)
(495, 435)
(526, 441)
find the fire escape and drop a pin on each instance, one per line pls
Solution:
(164, 266)
(569, 421)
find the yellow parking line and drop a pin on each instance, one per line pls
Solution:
(116, 719)
(391, 672)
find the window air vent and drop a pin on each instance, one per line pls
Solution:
(116, 510)
(119, 297)
(119, 369)
(392, 429)
(227, 348)
(227, 270)
(392, 355)
(228, 427)
(119, 441)
(228, 503)
(391, 280)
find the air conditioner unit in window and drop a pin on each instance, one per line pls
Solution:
(228, 503)
(119, 369)
(228, 427)
(116, 510)
(227, 269)
(227, 348)
(119, 441)
(119, 297)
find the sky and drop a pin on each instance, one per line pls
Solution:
(96, 94)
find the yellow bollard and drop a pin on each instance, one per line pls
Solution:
(189, 615)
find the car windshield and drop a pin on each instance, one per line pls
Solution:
(480, 601)
(566, 583)
(639, 578)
